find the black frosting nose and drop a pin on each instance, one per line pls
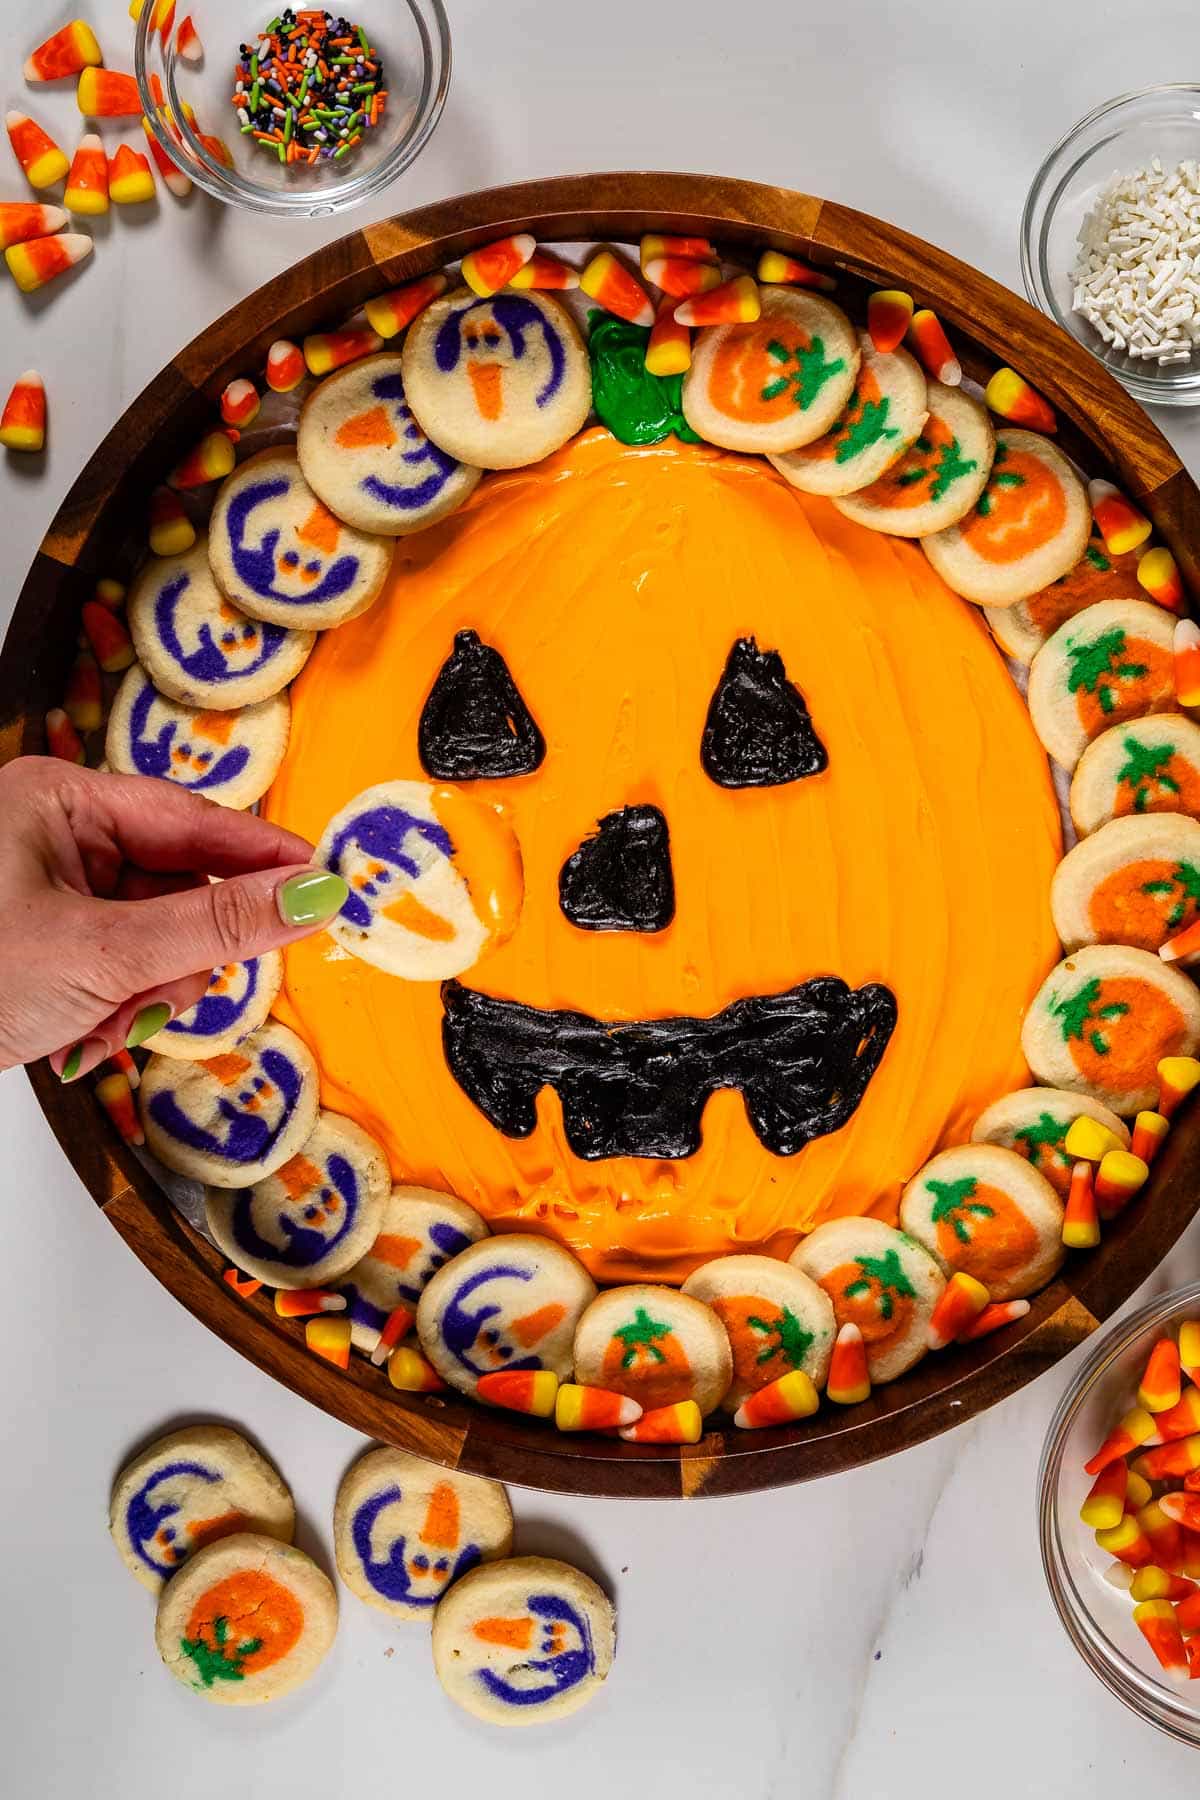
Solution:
(620, 878)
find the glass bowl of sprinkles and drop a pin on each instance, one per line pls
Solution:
(1110, 240)
(1089, 1583)
(298, 112)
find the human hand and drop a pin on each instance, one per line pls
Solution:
(96, 950)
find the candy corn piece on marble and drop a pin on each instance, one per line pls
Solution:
(23, 421)
(130, 177)
(65, 52)
(108, 94)
(32, 265)
(40, 157)
(21, 220)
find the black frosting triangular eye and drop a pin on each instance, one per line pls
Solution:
(620, 879)
(758, 732)
(475, 725)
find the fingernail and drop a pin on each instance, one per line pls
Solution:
(150, 1019)
(71, 1068)
(312, 897)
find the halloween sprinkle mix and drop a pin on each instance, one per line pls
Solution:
(309, 87)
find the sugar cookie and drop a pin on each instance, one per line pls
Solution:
(247, 1620)
(1113, 661)
(656, 1345)
(363, 453)
(776, 1319)
(281, 555)
(234, 1117)
(987, 1211)
(524, 1640)
(404, 1530)
(510, 1302)
(314, 1217)
(188, 1489)
(236, 1002)
(1104, 1018)
(435, 878)
(1135, 881)
(1029, 526)
(776, 383)
(199, 649)
(1100, 574)
(498, 382)
(419, 1231)
(883, 416)
(1034, 1122)
(939, 477)
(1141, 767)
(879, 1279)
(232, 757)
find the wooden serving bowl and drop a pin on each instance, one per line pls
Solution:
(101, 522)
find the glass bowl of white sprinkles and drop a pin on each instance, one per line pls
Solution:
(1110, 240)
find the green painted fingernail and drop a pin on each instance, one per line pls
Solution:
(312, 897)
(70, 1068)
(152, 1018)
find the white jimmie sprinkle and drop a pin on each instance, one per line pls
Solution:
(1137, 273)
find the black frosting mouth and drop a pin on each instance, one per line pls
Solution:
(802, 1061)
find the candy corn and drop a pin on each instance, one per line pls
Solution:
(211, 460)
(1081, 1221)
(1153, 1583)
(1120, 1576)
(520, 1390)
(67, 51)
(774, 266)
(608, 282)
(678, 1424)
(408, 1370)
(1105, 1504)
(326, 350)
(1165, 1534)
(111, 643)
(492, 267)
(1158, 573)
(962, 1300)
(299, 1303)
(544, 271)
(1120, 1176)
(792, 1396)
(330, 1340)
(1156, 1621)
(1127, 1542)
(1180, 1420)
(676, 276)
(37, 152)
(244, 1286)
(995, 1314)
(87, 181)
(1149, 1131)
(108, 94)
(669, 349)
(389, 313)
(849, 1377)
(1177, 1076)
(82, 700)
(1137, 1491)
(187, 41)
(23, 421)
(1088, 1140)
(889, 314)
(926, 337)
(285, 366)
(1187, 1611)
(1177, 1458)
(121, 1059)
(109, 592)
(734, 302)
(24, 219)
(1185, 1508)
(1187, 662)
(1120, 523)
(397, 1325)
(1158, 1390)
(116, 1097)
(173, 177)
(163, 18)
(41, 260)
(1011, 397)
(1135, 1429)
(693, 249)
(62, 739)
(240, 404)
(130, 177)
(593, 1409)
(171, 531)
(1189, 1344)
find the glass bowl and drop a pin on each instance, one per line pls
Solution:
(1123, 135)
(1097, 1615)
(190, 109)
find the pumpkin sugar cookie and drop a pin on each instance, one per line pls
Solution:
(1135, 881)
(236, 1002)
(1144, 766)
(879, 1279)
(418, 1233)
(1113, 661)
(881, 419)
(1029, 525)
(939, 477)
(232, 757)
(510, 1302)
(774, 384)
(655, 1344)
(1100, 574)
(776, 1319)
(1034, 1122)
(1102, 1021)
(988, 1212)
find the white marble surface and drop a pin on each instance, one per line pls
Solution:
(866, 1638)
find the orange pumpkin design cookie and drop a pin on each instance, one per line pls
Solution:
(774, 384)
(1135, 881)
(1029, 525)
(776, 1319)
(1034, 1122)
(655, 1344)
(1102, 1021)
(1113, 661)
(880, 1279)
(1100, 574)
(939, 477)
(1144, 766)
(882, 417)
(987, 1211)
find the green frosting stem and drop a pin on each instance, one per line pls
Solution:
(636, 406)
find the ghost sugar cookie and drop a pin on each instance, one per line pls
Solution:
(314, 1217)
(938, 479)
(1144, 766)
(365, 456)
(879, 1279)
(246, 1620)
(655, 1344)
(236, 1002)
(232, 1118)
(776, 383)
(883, 416)
(1035, 1121)
(1100, 574)
(1112, 662)
(510, 1302)
(404, 1530)
(419, 1231)
(1134, 881)
(523, 1640)
(988, 1212)
(497, 382)
(188, 1489)
(1102, 1021)
(776, 1319)
(279, 554)
(434, 875)
(232, 757)
(197, 648)
(1029, 526)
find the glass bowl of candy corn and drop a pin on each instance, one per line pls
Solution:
(295, 112)
(1110, 240)
(1119, 1511)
